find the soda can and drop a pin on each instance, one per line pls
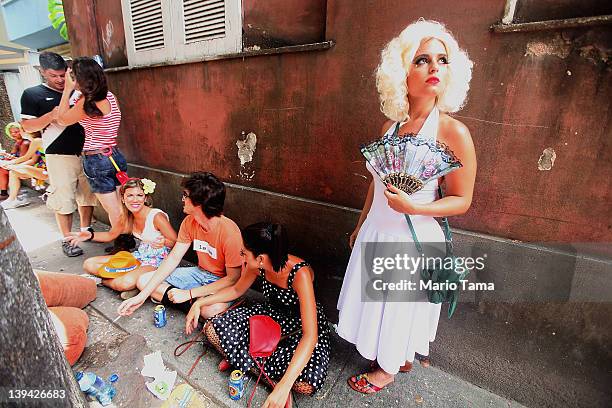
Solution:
(236, 385)
(160, 316)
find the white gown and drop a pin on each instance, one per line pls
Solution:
(390, 332)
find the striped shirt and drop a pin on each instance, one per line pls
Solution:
(101, 132)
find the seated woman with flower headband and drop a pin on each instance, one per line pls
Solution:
(31, 165)
(13, 131)
(150, 225)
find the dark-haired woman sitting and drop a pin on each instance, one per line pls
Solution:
(302, 358)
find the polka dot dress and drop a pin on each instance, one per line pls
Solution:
(284, 307)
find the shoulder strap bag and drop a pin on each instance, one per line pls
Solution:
(442, 282)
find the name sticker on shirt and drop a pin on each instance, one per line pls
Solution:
(204, 246)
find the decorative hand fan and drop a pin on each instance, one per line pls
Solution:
(409, 162)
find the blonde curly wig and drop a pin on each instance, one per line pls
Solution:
(396, 62)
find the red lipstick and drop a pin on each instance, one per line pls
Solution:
(433, 80)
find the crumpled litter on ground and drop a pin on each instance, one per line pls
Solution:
(164, 379)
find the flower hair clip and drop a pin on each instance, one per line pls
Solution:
(148, 186)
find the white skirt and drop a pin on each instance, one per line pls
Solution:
(389, 332)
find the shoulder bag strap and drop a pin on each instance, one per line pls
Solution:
(414, 235)
(446, 227)
(447, 231)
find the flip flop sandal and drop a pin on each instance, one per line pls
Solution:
(403, 369)
(361, 384)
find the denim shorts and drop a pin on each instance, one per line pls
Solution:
(190, 277)
(101, 173)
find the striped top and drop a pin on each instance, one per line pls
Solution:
(101, 132)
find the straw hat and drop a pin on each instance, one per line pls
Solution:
(118, 265)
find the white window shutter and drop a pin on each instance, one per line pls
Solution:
(208, 27)
(148, 31)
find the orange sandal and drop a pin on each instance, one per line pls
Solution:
(361, 384)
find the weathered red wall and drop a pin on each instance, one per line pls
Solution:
(283, 22)
(96, 27)
(111, 33)
(310, 112)
(81, 23)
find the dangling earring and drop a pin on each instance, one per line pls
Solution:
(261, 268)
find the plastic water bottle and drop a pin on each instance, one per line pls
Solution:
(89, 383)
(106, 394)
(94, 386)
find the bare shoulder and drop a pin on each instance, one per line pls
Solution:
(305, 272)
(386, 126)
(160, 213)
(160, 217)
(453, 132)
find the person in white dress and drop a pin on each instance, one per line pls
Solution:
(423, 75)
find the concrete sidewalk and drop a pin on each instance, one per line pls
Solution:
(120, 347)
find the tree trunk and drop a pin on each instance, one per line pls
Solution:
(31, 357)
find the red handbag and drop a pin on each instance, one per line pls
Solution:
(264, 336)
